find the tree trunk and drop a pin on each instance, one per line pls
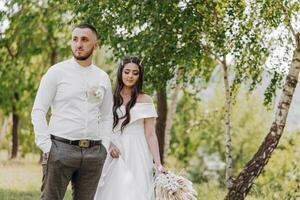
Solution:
(14, 152)
(15, 128)
(170, 116)
(53, 59)
(228, 173)
(243, 183)
(161, 120)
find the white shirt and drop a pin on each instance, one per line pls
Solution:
(81, 104)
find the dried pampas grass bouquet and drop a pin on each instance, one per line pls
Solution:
(169, 186)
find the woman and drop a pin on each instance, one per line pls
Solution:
(128, 171)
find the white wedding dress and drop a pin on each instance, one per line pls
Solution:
(129, 177)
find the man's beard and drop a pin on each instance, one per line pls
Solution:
(83, 57)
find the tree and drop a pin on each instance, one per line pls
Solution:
(272, 18)
(24, 52)
(232, 32)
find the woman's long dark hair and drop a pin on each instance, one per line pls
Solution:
(136, 90)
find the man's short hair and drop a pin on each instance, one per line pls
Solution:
(89, 26)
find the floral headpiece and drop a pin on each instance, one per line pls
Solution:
(140, 63)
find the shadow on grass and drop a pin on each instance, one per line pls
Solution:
(26, 195)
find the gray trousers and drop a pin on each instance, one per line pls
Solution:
(65, 163)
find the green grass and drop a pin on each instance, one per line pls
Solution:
(21, 179)
(6, 194)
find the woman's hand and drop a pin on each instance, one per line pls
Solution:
(114, 151)
(160, 169)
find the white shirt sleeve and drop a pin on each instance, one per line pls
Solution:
(106, 120)
(43, 100)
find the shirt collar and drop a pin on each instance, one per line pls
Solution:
(80, 67)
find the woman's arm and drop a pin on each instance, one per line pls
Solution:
(153, 143)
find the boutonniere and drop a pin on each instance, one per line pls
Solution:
(95, 93)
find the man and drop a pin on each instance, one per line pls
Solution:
(75, 142)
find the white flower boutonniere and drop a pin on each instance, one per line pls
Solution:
(95, 94)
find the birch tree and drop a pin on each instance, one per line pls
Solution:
(273, 14)
(232, 32)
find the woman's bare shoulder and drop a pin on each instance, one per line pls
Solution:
(144, 98)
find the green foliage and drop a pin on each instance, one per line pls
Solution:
(172, 34)
(34, 30)
(242, 37)
(277, 12)
(36, 37)
(197, 146)
(197, 126)
(26, 136)
(276, 79)
(281, 178)
(163, 34)
(202, 124)
(190, 35)
(271, 15)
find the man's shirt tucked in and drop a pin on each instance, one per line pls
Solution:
(81, 104)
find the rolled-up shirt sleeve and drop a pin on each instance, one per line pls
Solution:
(106, 119)
(43, 100)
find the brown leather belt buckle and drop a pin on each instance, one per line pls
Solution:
(84, 143)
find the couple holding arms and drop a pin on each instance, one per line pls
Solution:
(103, 142)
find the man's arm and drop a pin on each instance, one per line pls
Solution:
(106, 115)
(43, 100)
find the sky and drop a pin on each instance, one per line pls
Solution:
(3, 25)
